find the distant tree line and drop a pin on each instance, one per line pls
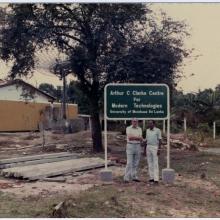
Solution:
(198, 107)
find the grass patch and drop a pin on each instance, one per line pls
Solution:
(22, 208)
(99, 202)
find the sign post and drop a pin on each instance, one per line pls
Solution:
(164, 126)
(142, 101)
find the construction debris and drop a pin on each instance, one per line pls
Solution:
(60, 210)
(183, 145)
(41, 171)
(59, 179)
(36, 159)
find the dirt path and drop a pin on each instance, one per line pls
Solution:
(30, 143)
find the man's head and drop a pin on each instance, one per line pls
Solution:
(151, 124)
(134, 122)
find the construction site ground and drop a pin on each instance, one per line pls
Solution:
(195, 193)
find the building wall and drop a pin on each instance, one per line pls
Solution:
(23, 116)
(71, 110)
(14, 93)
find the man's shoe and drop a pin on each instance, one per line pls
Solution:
(126, 181)
(151, 181)
(156, 183)
(136, 180)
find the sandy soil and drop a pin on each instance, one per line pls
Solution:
(29, 143)
(73, 184)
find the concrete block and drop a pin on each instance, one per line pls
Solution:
(168, 176)
(106, 175)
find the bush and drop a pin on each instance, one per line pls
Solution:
(204, 127)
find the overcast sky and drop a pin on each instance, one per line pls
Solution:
(204, 21)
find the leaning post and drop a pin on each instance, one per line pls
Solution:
(214, 130)
(184, 124)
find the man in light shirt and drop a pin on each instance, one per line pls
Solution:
(153, 139)
(133, 150)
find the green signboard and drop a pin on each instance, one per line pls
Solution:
(142, 101)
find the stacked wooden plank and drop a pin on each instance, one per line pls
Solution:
(36, 159)
(41, 171)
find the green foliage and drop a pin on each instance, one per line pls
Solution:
(156, 58)
(217, 127)
(75, 95)
(204, 127)
(200, 107)
(51, 90)
(3, 16)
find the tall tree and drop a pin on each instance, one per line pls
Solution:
(157, 57)
(3, 16)
(102, 42)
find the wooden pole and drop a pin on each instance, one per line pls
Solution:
(64, 95)
(41, 128)
(184, 124)
(214, 130)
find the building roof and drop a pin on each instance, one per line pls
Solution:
(21, 82)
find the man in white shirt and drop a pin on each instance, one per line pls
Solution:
(133, 150)
(153, 138)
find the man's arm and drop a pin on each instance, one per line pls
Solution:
(145, 144)
(160, 142)
(133, 138)
(160, 138)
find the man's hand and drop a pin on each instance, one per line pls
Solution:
(158, 152)
(144, 145)
(132, 138)
(145, 151)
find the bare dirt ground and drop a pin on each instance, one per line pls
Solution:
(30, 143)
(196, 192)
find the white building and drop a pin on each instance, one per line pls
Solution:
(18, 90)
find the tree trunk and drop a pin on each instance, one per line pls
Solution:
(94, 109)
(96, 132)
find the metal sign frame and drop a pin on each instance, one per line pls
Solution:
(166, 118)
(135, 84)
